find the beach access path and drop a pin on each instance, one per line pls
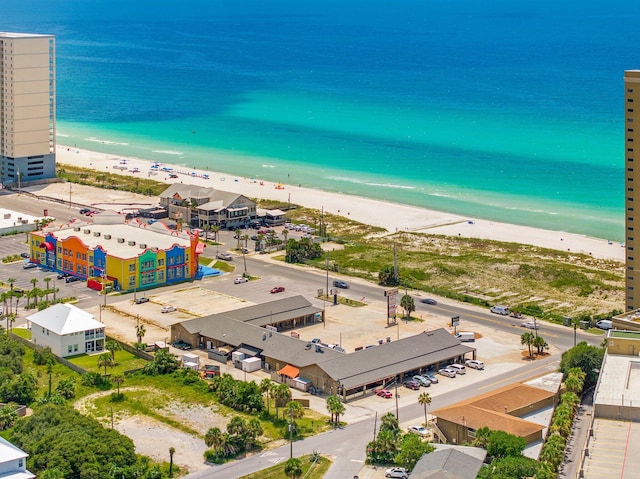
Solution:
(391, 216)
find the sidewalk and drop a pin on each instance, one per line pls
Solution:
(577, 439)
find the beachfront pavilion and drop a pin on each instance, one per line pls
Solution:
(111, 252)
(200, 206)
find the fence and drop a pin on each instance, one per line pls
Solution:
(62, 361)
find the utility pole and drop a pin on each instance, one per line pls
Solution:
(291, 434)
(326, 267)
(396, 383)
(395, 264)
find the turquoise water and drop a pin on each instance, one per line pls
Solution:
(493, 110)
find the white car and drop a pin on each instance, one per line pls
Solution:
(458, 368)
(450, 373)
(240, 280)
(474, 363)
(168, 309)
(529, 325)
(419, 430)
(398, 472)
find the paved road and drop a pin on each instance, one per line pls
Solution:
(347, 445)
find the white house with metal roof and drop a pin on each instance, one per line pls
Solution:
(67, 330)
(13, 462)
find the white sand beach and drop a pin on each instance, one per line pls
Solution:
(391, 216)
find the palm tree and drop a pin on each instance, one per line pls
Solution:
(34, 293)
(238, 237)
(285, 234)
(540, 344)
(11, 281)
(237, 427)
(254, 431)
(105, 361)
(425, 400)
(113, 346)
(282, 393)
(389, 423)
(215, 439)
(265, 386)
(11, 318)
(294, 411)
(575, 380)
(172, 451)
(528, 339)
(408, 304)
(335, 408)
(47, 280)
(245, 238)
(293, 468)
(140, 332)
(214, 229)
(118, 379)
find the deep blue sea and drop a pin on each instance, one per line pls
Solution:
(505, 110)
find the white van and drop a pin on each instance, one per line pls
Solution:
(466, 336)
(604, 324)
(503, 310)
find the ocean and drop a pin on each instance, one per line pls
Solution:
(508, 111)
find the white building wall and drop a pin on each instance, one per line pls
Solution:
(11, 466)
(40, 338)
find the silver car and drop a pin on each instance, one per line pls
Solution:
(450, 373)
(458, 368)
(422, 381)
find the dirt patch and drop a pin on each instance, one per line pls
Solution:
(535, 357)
(153, 438)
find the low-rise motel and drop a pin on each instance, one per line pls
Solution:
(117, 254)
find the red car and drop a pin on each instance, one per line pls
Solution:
(277, 289)
(384, 393)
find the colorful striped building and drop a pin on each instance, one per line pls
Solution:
(118, 254)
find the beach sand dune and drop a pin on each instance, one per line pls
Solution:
(391, 216)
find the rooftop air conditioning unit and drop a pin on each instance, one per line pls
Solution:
(76, 228)
(87, 231)
(96, 233)
(143, 245)
(131, 243)
(120, 240)
(107, 236)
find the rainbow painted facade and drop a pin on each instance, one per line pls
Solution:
(114, 253)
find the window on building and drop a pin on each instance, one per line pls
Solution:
(75, 348)
(132, 267)
(69, 349)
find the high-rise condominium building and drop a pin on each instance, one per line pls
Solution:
(632, 183)
(27, 107)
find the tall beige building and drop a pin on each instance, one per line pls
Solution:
(27, 107)
(632, 174)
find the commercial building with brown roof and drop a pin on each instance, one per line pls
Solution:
(500, 410)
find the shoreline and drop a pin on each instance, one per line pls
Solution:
(391, 216)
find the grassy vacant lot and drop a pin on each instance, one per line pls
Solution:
(528, 278)
(532, 279)
(309, 470)
(125, 361)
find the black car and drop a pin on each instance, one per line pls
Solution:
(25, 255)
(429, 301)
(340, 284)
(84, 211)
(62, 275)
(72, 279)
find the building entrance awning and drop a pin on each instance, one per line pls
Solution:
(290, 371)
